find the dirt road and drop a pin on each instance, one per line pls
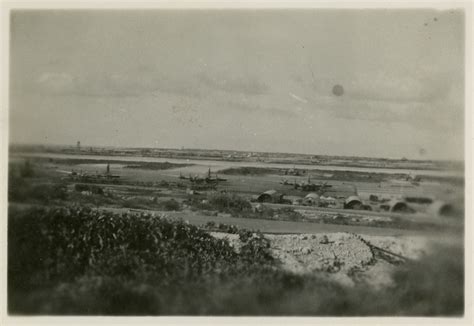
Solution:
(283, 227)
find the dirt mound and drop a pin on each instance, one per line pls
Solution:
(307, 253)
(233, 239)
(346, 258)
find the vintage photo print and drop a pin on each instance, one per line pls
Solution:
(270, 161)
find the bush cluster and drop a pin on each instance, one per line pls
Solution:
(144, 203)
(86, 187)
(20, 190)
(229, 203)
(49, 248)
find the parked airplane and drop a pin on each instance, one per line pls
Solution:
(199, 179)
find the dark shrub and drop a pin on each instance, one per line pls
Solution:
(21, 191)
(229, 203)
(26, 170)
(171, 205)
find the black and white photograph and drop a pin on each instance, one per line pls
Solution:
(257, 161)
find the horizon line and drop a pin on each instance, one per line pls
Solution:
(240, 151)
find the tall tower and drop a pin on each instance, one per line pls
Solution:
(78, 146)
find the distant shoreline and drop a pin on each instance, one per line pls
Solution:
(221, 163)
(96, 150)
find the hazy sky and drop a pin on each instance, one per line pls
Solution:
(245, 80)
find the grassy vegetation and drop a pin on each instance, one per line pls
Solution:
(394, 222)
(44, 193)
(143, 203)
(78, 260)
(82, 261)
(25, 183)
(89, 188)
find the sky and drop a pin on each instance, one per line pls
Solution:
(379, 83)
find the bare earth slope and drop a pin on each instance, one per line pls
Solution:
(346, 258)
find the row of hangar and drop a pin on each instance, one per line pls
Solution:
(354, 202)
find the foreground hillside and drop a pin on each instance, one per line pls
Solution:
(74, 260)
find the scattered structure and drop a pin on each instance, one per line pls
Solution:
(374, 198)
(294, 200)
(208, 179)
(294, 172)
(330, 201)
(270, 196)
(89, 177)
(353, 202)
(308, 185)
(442, 209)
(311, 199)
(399, 206)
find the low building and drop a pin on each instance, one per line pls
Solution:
(311, 199)
(399, 206)
(270, 196)
(353, 202)
(441, 209)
